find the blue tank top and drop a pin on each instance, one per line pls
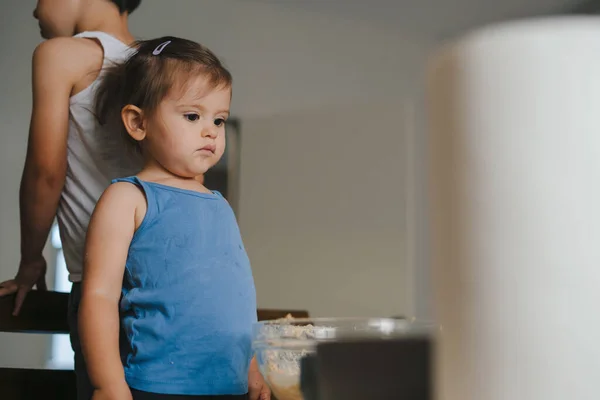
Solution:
(188, 301)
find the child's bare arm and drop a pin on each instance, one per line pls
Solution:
(115, 219)
(57, 65)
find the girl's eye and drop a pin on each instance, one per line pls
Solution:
(192, 117)
(219, 122)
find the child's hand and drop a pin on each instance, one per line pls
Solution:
(257, 387)
(30, 274)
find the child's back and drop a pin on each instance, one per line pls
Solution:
(95, 156)
(70, 157)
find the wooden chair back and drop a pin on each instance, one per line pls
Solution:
(46, 312)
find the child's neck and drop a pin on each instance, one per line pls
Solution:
(166, 178)
(104, 17)
(154, 172)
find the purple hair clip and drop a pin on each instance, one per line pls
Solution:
(160, 47)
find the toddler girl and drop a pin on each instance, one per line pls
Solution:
(164, 256)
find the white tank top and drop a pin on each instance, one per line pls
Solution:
(95, 156)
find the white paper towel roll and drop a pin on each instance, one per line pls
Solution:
(515, 164)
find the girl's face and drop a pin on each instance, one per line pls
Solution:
(186, 134)
(57, 17)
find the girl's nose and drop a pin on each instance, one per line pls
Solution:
(209, 132)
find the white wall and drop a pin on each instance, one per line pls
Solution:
(322, 209)
(321, 100)
(287, 60)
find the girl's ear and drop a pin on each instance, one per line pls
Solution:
(133, 119)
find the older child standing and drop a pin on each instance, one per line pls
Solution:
(71, 159)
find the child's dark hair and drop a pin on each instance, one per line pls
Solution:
(148, 76)
(127, 5)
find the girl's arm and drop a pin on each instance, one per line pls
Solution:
(116, 217)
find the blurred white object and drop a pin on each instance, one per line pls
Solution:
(515, 164)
